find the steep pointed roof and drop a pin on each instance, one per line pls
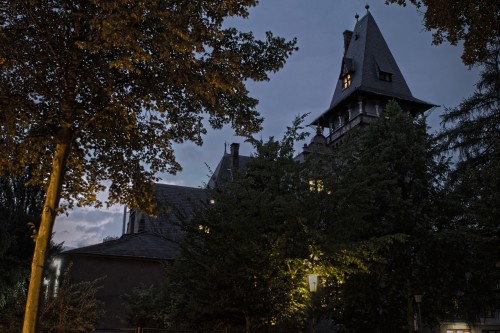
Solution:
(367, 55)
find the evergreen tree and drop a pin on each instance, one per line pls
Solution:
(387, 201)
(473, 131)
(240, 265)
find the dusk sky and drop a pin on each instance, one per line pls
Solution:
(305, 85)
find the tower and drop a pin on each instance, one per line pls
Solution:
(369, 77)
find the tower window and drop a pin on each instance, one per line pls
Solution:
(346, 72)
(346, 81)
(384, 76)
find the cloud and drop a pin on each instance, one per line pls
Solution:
(88, 226)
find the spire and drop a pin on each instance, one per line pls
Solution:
(369, 70)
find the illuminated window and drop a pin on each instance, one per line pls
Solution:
(204, 228)
(316, 185)
(211, 201)
(346, 81)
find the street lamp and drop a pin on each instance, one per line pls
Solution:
(418, 300)
(313, 282)
(313, 287)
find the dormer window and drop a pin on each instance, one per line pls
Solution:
(346, 81)
(346, 73)
(384, 76)
(384, 71)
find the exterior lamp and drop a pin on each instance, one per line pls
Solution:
(313, 282)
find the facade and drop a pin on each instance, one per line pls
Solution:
(122, 264)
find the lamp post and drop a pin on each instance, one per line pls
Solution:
(312, 279)
(418, 300)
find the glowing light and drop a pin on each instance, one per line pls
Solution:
(346, 81)
(313, 282)
(204, 228)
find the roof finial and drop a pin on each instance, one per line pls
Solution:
(356, 17)
(367, 8)
(225, 148)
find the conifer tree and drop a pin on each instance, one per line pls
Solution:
(386, 200)
(240, 264)
(472, 132)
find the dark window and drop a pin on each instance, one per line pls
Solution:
(142, 225)
(132, 222)
(383, 76)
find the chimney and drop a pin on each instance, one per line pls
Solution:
(347, 40)
(235, 152)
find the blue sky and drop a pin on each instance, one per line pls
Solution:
(305, 85)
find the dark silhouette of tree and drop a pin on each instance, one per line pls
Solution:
(476, 23)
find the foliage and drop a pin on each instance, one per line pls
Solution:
(149, 306)
(19, 204)
(239, 270)
(74, 308)
(93, 91)
(123, 77)
(475, 23)
(387, 199)
(473, 129)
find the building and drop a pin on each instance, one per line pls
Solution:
(368, 78)
(136, 258)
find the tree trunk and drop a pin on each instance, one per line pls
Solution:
(410, 315)
(248, 323)
(44, 233)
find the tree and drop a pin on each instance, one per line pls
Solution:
(386, 200)
(92, 91)
(473, 131)
(473, 127)
(73, 308)
(241, 264)
(475, 23)
(19, 205)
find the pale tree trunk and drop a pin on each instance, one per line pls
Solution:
(44, 233)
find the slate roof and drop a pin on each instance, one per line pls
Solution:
(223, 174)
(367, 54)
(161, 234)
(145, 245)
(175, 203)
